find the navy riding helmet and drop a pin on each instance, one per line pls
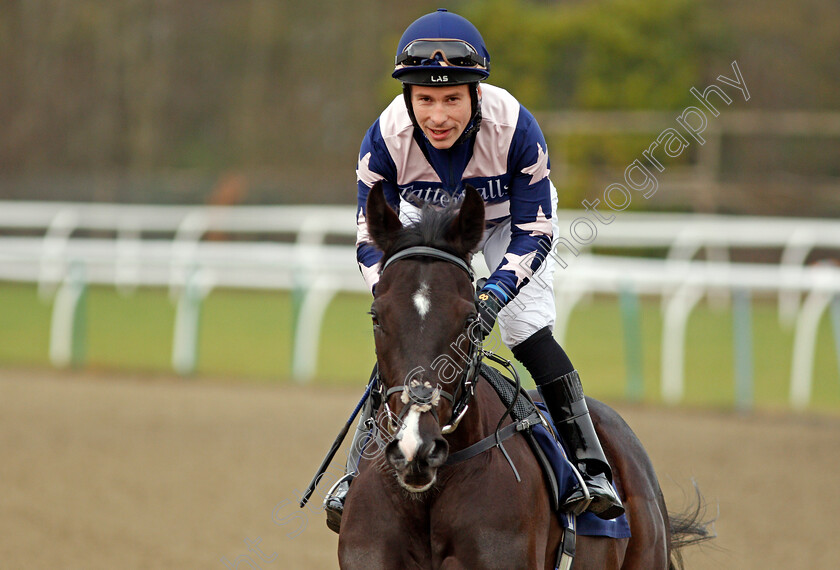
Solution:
(443, 49)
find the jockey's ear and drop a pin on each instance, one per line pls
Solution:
(382, 222)
(468, 226)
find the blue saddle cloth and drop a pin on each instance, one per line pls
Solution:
(587, 523)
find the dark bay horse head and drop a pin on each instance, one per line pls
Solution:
(423, 318)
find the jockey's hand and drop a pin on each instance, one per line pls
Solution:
(488, 306)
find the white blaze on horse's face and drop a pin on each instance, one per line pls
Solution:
(409, 435)
(422, 300)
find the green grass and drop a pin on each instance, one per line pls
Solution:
(595, 343)
(248, 335)
(24, 326)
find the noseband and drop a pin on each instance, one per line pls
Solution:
(422, 393)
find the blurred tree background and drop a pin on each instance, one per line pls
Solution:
(266, 101)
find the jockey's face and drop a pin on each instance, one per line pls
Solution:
(442, 112)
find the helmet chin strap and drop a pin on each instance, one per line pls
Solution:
(475, 120)
(474, 124)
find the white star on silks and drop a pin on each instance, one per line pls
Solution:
(364, 173)
(362, 165)
(539, 169)
(540, 226)
(520, 265)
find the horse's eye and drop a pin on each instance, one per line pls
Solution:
(374, 318)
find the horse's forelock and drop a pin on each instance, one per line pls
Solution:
(429, 230)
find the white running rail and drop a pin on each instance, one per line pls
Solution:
(59, 244)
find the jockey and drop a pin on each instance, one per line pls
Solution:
(447, 130)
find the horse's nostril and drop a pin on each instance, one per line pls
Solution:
(438, 452)
(395, 455)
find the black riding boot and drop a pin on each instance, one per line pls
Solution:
(334, 499)
(559, 384)
(564, 399)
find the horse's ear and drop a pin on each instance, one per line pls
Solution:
(468, 226)
(383, 224)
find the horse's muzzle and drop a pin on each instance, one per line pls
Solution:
(418, 473)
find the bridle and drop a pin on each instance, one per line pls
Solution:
(423, 394)
(426, 398)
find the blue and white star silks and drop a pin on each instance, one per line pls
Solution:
(539, 169)
(542, 225)
(520, 265)
(507, 163)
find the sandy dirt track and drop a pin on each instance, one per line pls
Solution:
(104, 472)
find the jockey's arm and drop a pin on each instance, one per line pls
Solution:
(374, 166)
(531, 211)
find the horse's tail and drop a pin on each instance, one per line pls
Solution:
(689, 527)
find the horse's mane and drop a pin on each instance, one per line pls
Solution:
(430, 230)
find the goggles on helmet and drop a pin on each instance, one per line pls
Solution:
(453, 52)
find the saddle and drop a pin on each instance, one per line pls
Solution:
(559, 474)
(559, 484)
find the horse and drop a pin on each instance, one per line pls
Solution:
(409, 506)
